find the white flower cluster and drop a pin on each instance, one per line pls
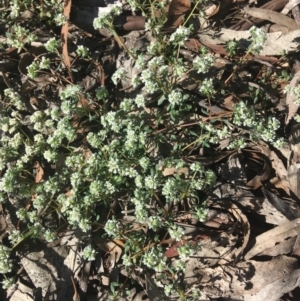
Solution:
(238, 143)
(52, 45)
(9, 125)
(170, 189)
(152, 24)
(9, 180)
(83, 51)
(60, 19)
(154, 47)
(36, 230)
(203, 63)
(5, 261)
(33, 69)
(14, 98)
(259, 38)
(49, 235)
(185, 250)
(19, 36)
(118, 75)
(15, 236)
(89, 253)
(207, 87)
(94, 140)
(8, 282)
(180, 35)
(15, 10)
(111, 121)
(155, 259)
(156, 62)
(101, 93)
(105, 19)
(295, 91)
(112, 228)
(175, 97)
(169, 289)
(176, 232)
(36, 66)
(70, 92)
(155, 222)
(197, 167)
(144, 163)
(244, 115)
(140, 101)
(140, 62)
(200, 212)
(148, 77)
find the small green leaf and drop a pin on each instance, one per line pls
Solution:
(161, 100)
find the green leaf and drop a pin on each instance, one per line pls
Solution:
(204, 112)
(161, 100)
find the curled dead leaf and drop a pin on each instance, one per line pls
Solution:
(176, 12)
(267, 241)
(64, 36)
(290, 98)
(39, 172)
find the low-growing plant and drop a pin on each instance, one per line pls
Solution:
(122, 157)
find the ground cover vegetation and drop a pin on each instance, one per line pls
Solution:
(122, 162)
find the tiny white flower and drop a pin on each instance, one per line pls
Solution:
(175, 97)
(140, 101)
(118, 75)
(89, 253)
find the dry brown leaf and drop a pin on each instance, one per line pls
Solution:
(277, 183)
(134, 23)
(267, 242)
(278, 288)
(154, 292)
(64, 35)
(72, 265)
(213, 250)
(113, 250)
(289, 212)
(212, 10)
(232, 254)
(277, 164)
(294, 178)
(241, 218)
(270, 213)
(3, 223)
(296, 248)
(42, 267)
(250, 280)
(290, 98)
(76, 296)
(291, 4)
(258, 281)
(272, 16)
(255, 183)
(207, 160)
(22, 293)
(169, 171)
(176, 12)
(39, 172)
(228, 103)
(246, 23)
